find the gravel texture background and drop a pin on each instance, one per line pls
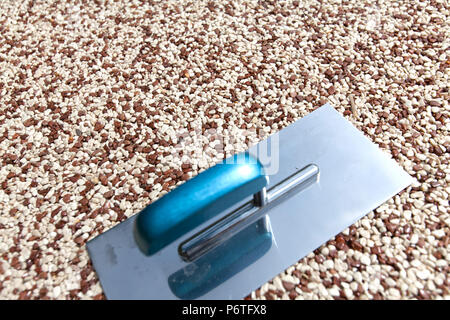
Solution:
(93, 93)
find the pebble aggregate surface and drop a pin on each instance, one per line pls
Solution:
(94, 93)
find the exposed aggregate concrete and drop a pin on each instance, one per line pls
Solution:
(93, 95)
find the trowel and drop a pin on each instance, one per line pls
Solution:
(233, 227)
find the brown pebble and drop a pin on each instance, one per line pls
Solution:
(79, 240)
(421, 242)
(293, 294)
(333, 254)
(434, 103)
(356, 245)
(340, 245)
(288, 285)
(331, 90)
(319, 258)
(98, 126)
(66, 198)
(103, 179)
(108, 194)
(75, 178)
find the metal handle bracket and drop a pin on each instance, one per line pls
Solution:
(222, 230)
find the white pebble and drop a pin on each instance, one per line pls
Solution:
(348, 293)
(441, 263)
(365, 260)
(423, 274)
(329, 264)
(439, 233)
(416, 263)
(56, 292)
(334, 291)
(394, 293)
(390, 282)
(365, 223)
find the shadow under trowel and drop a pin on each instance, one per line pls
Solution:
(214, 268)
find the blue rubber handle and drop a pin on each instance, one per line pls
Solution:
(198, 200)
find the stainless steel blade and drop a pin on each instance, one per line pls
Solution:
(355, 178)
